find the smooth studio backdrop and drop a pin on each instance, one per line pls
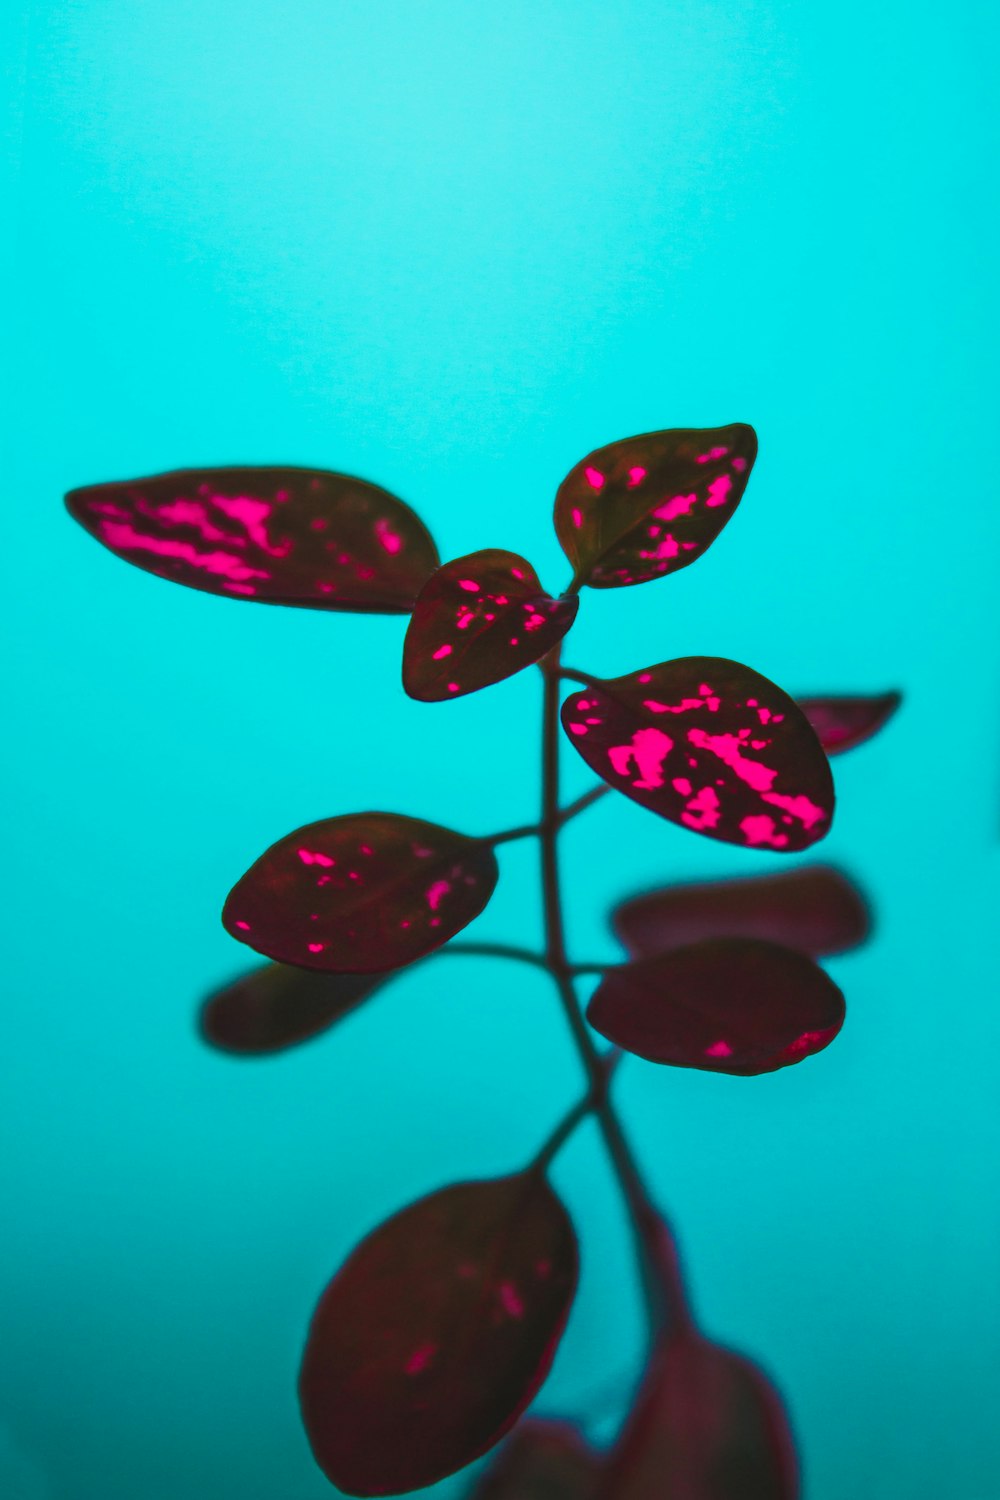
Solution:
(452, 246)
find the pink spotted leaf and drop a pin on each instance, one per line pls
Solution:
(843, 722)
(362, 893)
(477, 620)
(725, 1005)
(707, 1425)
(648, 505)
(711, 745)
(278, 535)
(436, 1333)
(817, 910)
(277, 1006)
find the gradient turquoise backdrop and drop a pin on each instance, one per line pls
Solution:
(451, 247)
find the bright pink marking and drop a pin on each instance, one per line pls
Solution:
(800, 807)
(240, 588)
(582, 729)
(533, 621)
(420, 1358)
(758, 828)
(315, 947)
(436, 892)
(682, 785)
(763, 714)
(319, 523)
(513, 640)
(655, 707)
(512, 1303)
(324, 880)
(718, 490)
(364, 848)
(739, 464)
(243, 926)
(577, 517)
(594, 478)
(468, 585)
(809, 1041)
(453, 687)
(441, 653)
(500, 599)
(649, 749)
(192, 513)
(464, 617)
(123, 534)
(251, 515)
(105, 508)
(679, 505)
(727, 747)
(703, 810)
(719, 1049)
(645, 677)
(667, 548)
(517, 573)
(759, 744)
(308, 857)
(636, 476)
(703, 458)
(389, 539)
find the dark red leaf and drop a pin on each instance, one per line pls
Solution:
(542, 1460)
(477, 620)
(728, 1005)
(707, 1425)
(842, 723)
(361, 893)
(816, 910)
(711, 745)
(436, 1333)
(648, 505)
(276, 1006)
(278, 535)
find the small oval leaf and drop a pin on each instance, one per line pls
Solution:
(843, 722)
(477, 620)
(728, 1005)
(707, 1425)
(649, 505)
(711, 745)
(542, 1460)
(436, 1333)
(816, 910)
(278, 535)
(362, 893)
(277, 1006)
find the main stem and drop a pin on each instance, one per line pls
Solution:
(658, 1270)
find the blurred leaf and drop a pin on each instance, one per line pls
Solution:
(477, 620)
(843, 722)
(728, 1005)
(436, 1333)
(816, 910)
(711, 745)
(648, 505)
(278, 535)
(541, 1460)
(362, 893)
(707, 1425)
(277, 1006)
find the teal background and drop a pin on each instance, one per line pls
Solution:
(452, 247)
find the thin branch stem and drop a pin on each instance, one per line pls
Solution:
(492, 950)
(570, 674)
(533, 830)
(664, 1297)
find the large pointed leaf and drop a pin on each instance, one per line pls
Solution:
(278, 535)
(477, 620)
(707, 1425)
(727, 1005)
(436, 1333)
(542, 1460)
(843, 722)
(648, 505)
(361, 893)
(276, 1006)
(816, 910)
(711, 745)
